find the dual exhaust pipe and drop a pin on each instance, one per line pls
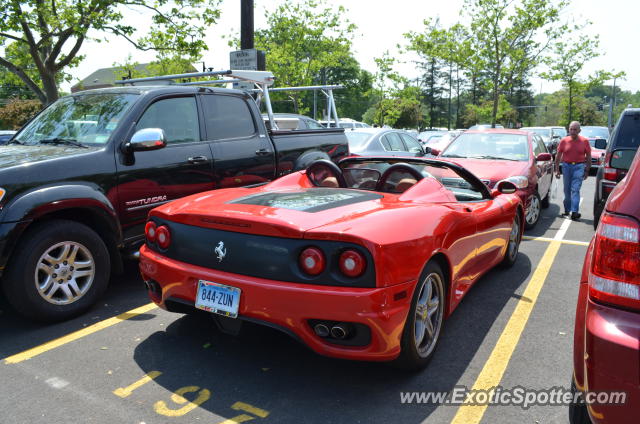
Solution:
(338, 331)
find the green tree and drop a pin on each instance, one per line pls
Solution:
(568, 60)
(432, 48)
(509, 39)
(357, 95)
(303, 39)
(485, 112)
(53, 32)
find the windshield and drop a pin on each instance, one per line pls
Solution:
(88, 119)
(489, 146)
(595, 132)
(357, 140)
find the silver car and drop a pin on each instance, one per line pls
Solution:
(381, 141)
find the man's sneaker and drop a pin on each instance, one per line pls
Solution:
(565, 214)
(575, 216)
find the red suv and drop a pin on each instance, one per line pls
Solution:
(606, 349)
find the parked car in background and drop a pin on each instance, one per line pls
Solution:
(483, 126)
(292, 121)
(594, 133)
(606, 347)
(559, 132)
(425, 136)
(502, 154)
(549, 139)
(345, 123)
(620, 150)
(441, 142)
(361, 261)
(6, 135)
(380, 141)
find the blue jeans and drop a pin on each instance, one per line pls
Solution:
(572, 176)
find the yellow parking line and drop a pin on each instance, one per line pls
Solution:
(30, 353)
(575, 242)
(494, 368)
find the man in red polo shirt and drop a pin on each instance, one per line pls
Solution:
(574, 153)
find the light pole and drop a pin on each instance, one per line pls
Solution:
(611, 102)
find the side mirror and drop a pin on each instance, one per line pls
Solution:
(555, 137)
(147, 139)
(504, 187)
(432, 151)
(622, 158)
(601, 143)
(542, 157)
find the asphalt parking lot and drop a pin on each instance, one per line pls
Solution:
(129, 362)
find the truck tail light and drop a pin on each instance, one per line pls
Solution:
(312, 261)
(610, 174)
(150, 231)
(163, 236)
(352, 263)
(615, 268)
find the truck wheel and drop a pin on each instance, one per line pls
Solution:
(58, 270)
(424, 322)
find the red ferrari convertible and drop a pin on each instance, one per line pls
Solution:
(361, 261)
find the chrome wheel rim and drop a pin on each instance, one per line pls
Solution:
(64, 273)
(428, 315)
(533, 212)
(514, 238)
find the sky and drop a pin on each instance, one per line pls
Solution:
(381, 25)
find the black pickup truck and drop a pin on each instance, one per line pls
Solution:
(77, 182)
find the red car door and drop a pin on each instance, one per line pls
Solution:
(462, 245)
(493, 229)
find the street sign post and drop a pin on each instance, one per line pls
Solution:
(248, 60)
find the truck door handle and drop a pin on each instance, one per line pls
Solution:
(197, 159)
(262, 152)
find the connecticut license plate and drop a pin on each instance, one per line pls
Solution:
(218, 298)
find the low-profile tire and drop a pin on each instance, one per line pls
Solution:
(532, 215)
(515, 236)
(424, 322)
(57, 271)
(578, 413)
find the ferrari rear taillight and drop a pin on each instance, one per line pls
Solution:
(150, 231)
(312, 261)
(352, 263)
(163, 236)
(615, 270)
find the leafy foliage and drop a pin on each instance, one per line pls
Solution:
(17, 112)
(302, 41)
(45, 29)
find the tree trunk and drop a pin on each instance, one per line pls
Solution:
(49, 86)
(458, 125)
(570, 102)
(450, 83)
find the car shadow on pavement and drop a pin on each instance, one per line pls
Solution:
(125, 292)
(269, 370)
(546, 222)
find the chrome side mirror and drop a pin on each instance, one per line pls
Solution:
(147, 139)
